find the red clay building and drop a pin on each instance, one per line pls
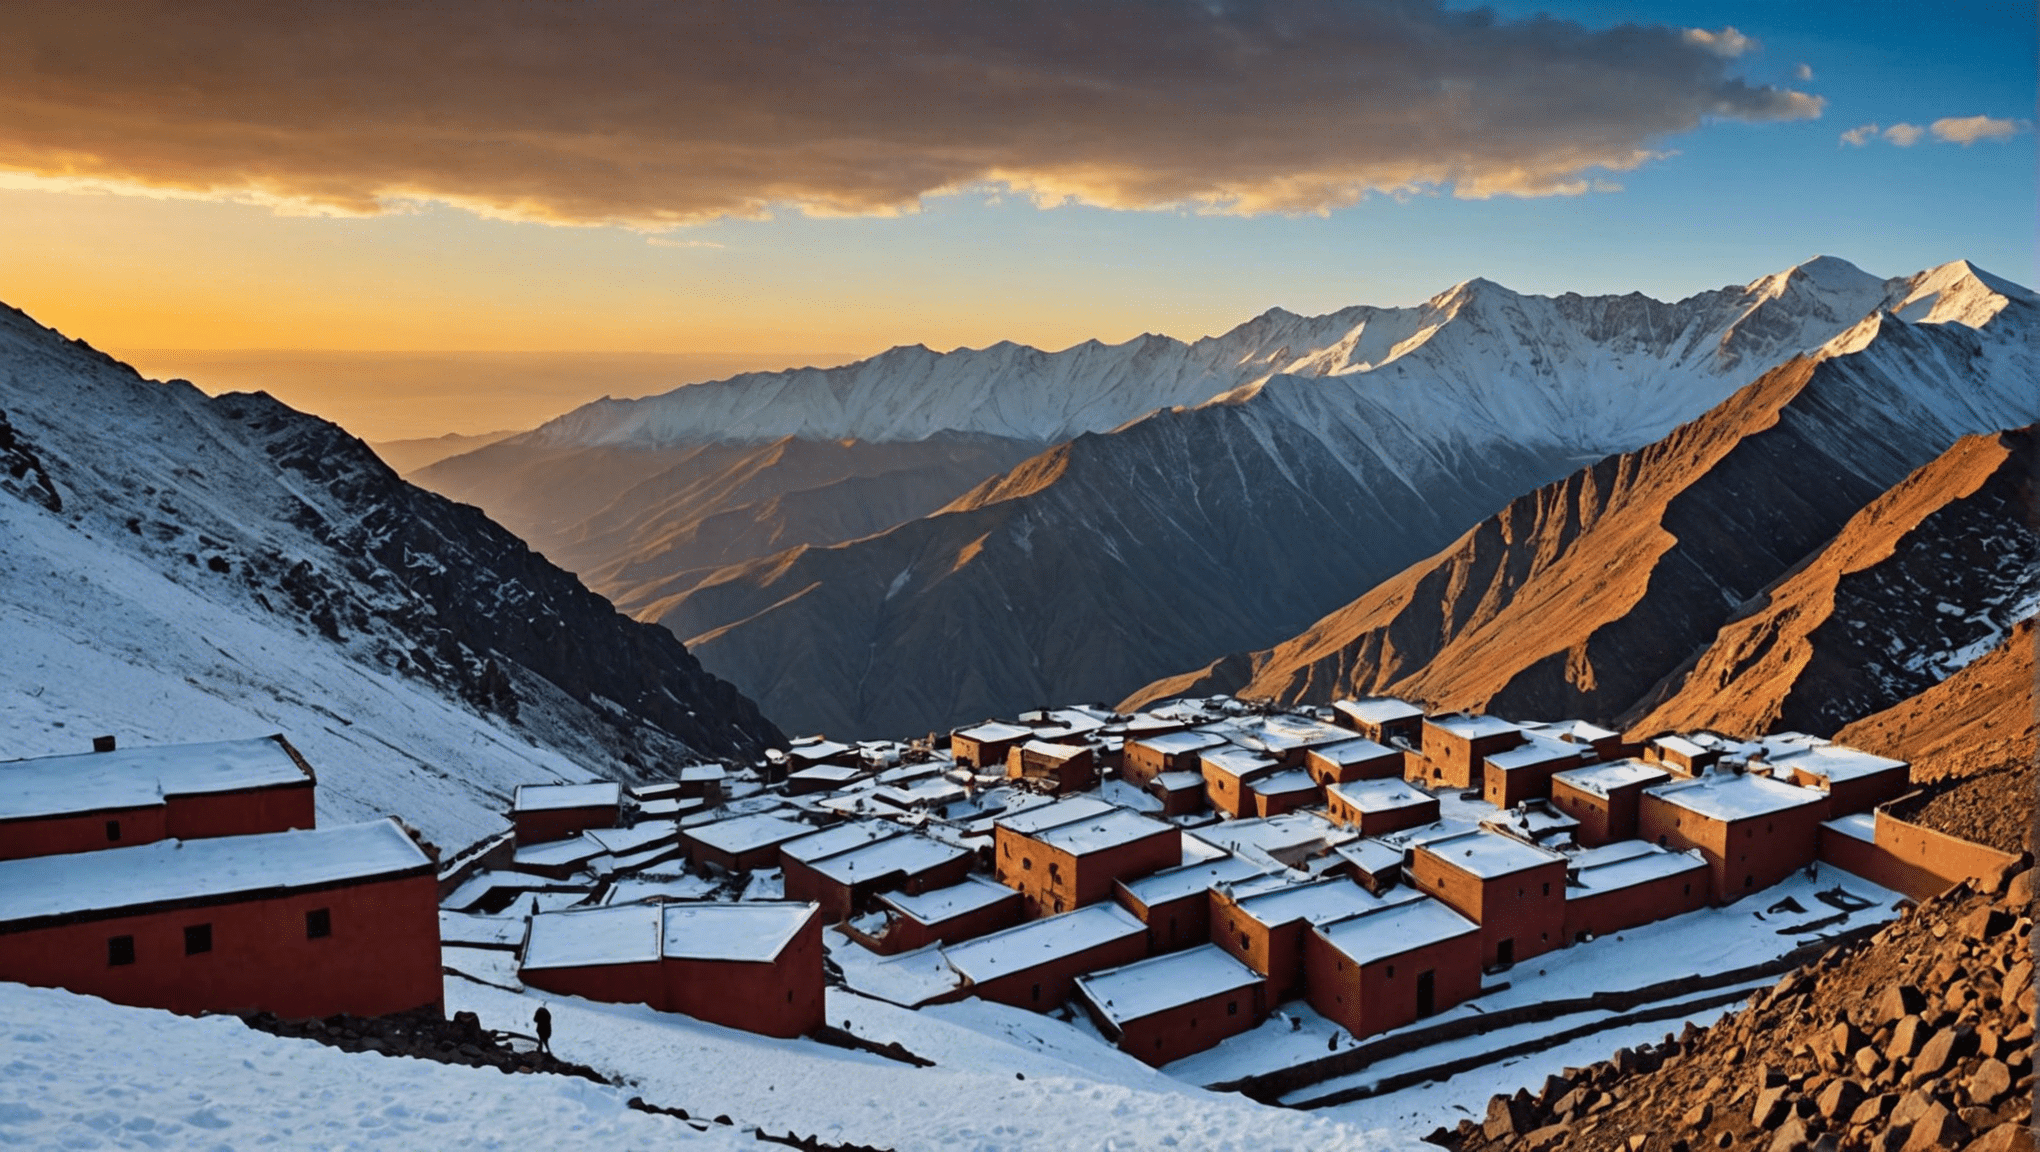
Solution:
(1682, 756)
(1036, 965)
(118, 798)
(1854, 780)
(1227, 772)
(1603, 798)
(1177, 751)
(755, 966)
(986, 745)
(1378, 807)
(302, 923)
(1753, 831)
(1169, 1007)
(1383, 719)
(1455, 747)
(1357, 759)
(1393, 965)
(1181, 793)
(1263, 923)
(1282, 792)
(964, 911)
(848, 881)
(742, 843)
(1524, 772)
(1067, 855)
(1175, 903)
(1629, 883)
(1285, 738)
(1061, 768)
(543, 813)
(1513, 890)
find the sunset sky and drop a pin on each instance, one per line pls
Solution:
(327, 200)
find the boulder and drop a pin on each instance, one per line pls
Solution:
(1791, 1136)
(1505, 1118)
(1937, 1128)
(1991, 1083)
(2010, 1136)
(1942, 1051)
(1772, 1107)
(1838, 1100)
(1698, 1116)
(1899, 1001)
(1910, 1036)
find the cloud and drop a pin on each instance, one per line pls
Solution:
(1860, 135)
(1904, 135)
(1967, 130)
(1802, 72)
(662, 241)
(656, 115)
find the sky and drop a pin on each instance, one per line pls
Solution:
(466, 217)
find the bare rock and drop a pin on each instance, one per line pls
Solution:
(1937, 1128)
(2011, 1136)
(1942, 1051)
(1911, 1035)
(1899, 1001)
(1791, 1136)
(1839, 1099)
(1991, 1083)
(1699, 1116)
(1772, 1107)
(1505, 1118)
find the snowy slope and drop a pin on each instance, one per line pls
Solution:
(177, 568)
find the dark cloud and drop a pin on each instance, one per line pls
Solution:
(657, 113)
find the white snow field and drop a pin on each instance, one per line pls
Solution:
(78, 1072)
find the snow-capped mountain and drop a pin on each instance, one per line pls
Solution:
(1596, 595)
(174, 567)
(1228, 526)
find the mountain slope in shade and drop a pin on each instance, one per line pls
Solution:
(1915, 586)
(1979, 719)
(184, 568)
(408, 456)
(1196, 531)
(1579, 597)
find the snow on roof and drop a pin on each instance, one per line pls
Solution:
(840, 838)
(472, 890)
(1370, 855)
(1377, 709)
(747, 833)
(1283, 783)
(832, 773)
(1283, 732)
(1393, 929)
(899, 855)
(1381, 795)
(754, 932)
(943, 904)
(588, 937)
(1834, 762)
(552, 797)
(632, 889)
(673, 806)
(1043, 816)
(1054, 751)
(1147, 722)
(1626, 863)
(1735, 796)
(559, 853)
(702, 773)
(1468, 726)
(1582, 731)
(1489, 854)
(1159, 983)
(993, 732)
(1109, 829)
(1600, 779)
(480, 931)
(1317, 902)
(1537, 750)
(637, 838)
(1856, 826)
(1177, 743)
(1178, 781)
(224, 866)
(1680, 746)
(1189, 880)
(1358, 750)
(1293, 834)
(1235, 761)
(142, 777)
(1042, 941)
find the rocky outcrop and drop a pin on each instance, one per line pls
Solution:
(1980, 719)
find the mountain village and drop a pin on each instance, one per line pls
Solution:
(1173, 877)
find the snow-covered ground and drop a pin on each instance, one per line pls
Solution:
(78, 1072)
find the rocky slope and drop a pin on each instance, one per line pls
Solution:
(1192, 532)
(1579, 598)
(178, 567)
(1979, 719)
(1919, 1039)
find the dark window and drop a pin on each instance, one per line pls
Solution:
(1027, 864)
(318, 923)
(120, 950)
(112, 830)
(1749, 881)
(1391, 971)
(1505, 953)
(1689, 889)
(197, 938)
(1232, 1007)
(789, 995)
(1037, 994)
(1547, 887)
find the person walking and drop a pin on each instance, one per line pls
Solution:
(543, 1020)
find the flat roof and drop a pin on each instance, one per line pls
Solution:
(588, 937)
(1735, 795)
(1029, 821)
(1282, 732)
(1055, 751)
(1584, 731)
(1489, 854)
(840, 838)
(558, 853)
(816, 748)
(1315, 902)
(169, 871)
(1189, 879)
(636, 838)
(747, 833)
(1358, 750)
(1600, 779)
(1236, 761)
(1381, 795)
(900, 854)
(1831, 762)
(1041, 941)
(943, 904)
(993, 732)
(755, 931)
(1159, 983)
(1178, 742)
(702, 773)
(1394, 929)
(553, 797)
(1377, 709)
(1283, 783)
(1109, 829)
(142, 777)
(836, 773)
(1856, 826)
(1680, 745)
(1537, 750)
(1471, 727)
(1371, 855)
(1178, 781)
(1626, 863)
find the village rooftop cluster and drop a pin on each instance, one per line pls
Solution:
(1174, 874)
